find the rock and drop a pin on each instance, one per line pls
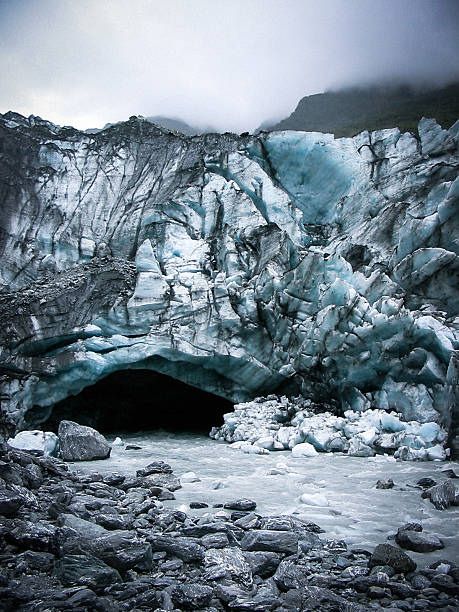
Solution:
(191, 596)
(156, 467)
(385, 554)
(215, 540)
(262, 563)
(81, 443)
(198, 505)
(273, 541)
(385, 484)
(85, 570)
(10, 502)
(426, 483)
(184, 548)
(123, 551)
(449, 473)
(228, 563)
(289, 576)
(443, 495)
(418, 542)
(39, 536)
(245, 505)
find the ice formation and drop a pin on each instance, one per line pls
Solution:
(274, 423)
(243, 265)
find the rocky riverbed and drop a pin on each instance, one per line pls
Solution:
(85, 540)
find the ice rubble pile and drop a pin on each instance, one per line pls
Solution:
(272, 423)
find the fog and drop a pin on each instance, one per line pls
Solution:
(230, 64)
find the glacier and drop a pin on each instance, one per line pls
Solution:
(288, 262)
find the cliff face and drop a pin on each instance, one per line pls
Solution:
(240, 265)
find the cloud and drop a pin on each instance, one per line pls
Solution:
(229, 63)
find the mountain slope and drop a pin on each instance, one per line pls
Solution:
(350, 111)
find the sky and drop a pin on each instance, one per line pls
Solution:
(231, 64)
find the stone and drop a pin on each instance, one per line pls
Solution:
(187, 549)
(386, 554)
(262, 563)
(385, 484)
(156, 467)
(418, 542)
(289, 576)
(245, 505)
(270, 540)
(191, 596)
(228, 563)
(10, 502)
(443, 495)
(426, 483)
(86, 570)
(81, 443)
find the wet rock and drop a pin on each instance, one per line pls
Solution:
(418, 542)
(426, 483)
(289, 576)
(123, 551)
(81, 443)
(39, 536)
(386, 554)
(245, 505)
(445, 583)
(114, 479)
(85, 570)
(191, 596)
(419, 582)
(262, 563)
(187, 549)
(195, 505)
(259, 603)
(132, 447)
(228, 563)
(443, 495)
(385, 484)
(449, 473)
(10, 502)
(156, 467)
(273, 541)
(248, 521)
(215, 540)
(32, 560)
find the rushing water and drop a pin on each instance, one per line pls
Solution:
(357, 512)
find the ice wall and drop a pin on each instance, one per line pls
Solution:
(241, 265)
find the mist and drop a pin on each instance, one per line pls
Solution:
(232, 65)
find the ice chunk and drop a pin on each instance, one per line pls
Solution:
(429, 431)
(357, 448)
(189, 477)
(391, 422)
(145, 259)
(437, 453)
(314, 499)
(117, 442)
(304, 450)
(45, 441)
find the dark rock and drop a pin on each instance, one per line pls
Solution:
(191, 596)
(402, 590)
(11, 473)
(419, 582)
(81, 443)
(132, 447)
(418, 542)
(386, 554)
(385, 484)
(38, 536)
(121, 550)
(274, 541)
(262, 563)
(114, 479)
(248, 521)
(289, 576)
(449, 473)
(245, 505)
(259, 603)
(157, 467)
(83, 597)
(32, 560)
(443, 495)
(10, 502)
(85, 570)
(426, 483)
(113, 521)
(376, 592)
(445, 583)
(187, 549)
(194, 505)
(215, 540)
(228, 564)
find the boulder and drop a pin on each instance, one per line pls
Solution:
(443, 495)
(245, 505)
(191, 596)
(418, 542)
(386, 554)
(85, 570)
(10, 502)
(81, 443)
(270, 540)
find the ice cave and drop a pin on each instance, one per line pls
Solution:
(136, 400)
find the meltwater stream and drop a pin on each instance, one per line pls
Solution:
(357, 512)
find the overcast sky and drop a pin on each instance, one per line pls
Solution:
(228, 63)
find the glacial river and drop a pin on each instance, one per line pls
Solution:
(357, 512)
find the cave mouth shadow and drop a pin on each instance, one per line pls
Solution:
(141, 400)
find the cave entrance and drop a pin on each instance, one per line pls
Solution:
(141, 400)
